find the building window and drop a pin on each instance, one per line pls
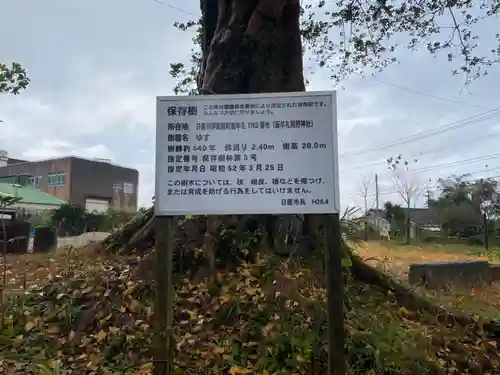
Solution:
(52, 179)
(128, 188)
(61, 179)
(56, 179)
(34, 181)
(117, 185)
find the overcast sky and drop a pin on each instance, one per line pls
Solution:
(97, 66)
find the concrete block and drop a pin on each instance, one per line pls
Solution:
(495, 272)
(436, 275)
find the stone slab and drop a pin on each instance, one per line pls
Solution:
(495, 272)
(436, 275)
(82, 240)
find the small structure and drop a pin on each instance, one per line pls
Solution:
(7, 213)
(14, 234)
(420, 218)
(425, 218)
(378, 223)
(495, 272)
(31, 200)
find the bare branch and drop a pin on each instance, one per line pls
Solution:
(406, 182)
(364, 189)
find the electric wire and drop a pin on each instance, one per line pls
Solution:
(394, 192)
(429, 95)
(176, 8)
(426, 134)
(468, 143)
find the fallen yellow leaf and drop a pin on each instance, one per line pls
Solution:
(238, 371)
(101, 335)
(135, 306)
(404, 311)
(219, 350)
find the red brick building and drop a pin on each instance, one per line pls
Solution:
(96, 184)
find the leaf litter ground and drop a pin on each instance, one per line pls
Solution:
(92, 314)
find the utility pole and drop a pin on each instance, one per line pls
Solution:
(486, 239)
(377, 221)
(429, 194)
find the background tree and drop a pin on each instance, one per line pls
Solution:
(73, 220)
(467, 207)
(6, 200)
(13, 79)
(396, 216)
(369, 32)
(356, 37)
(407, 185)
(364, 190)
(485, 194)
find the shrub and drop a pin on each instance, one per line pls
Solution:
(477, 240)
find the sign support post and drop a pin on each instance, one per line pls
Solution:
(163, 354)
(333, 253)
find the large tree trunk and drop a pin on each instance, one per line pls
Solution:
(251, 46)
(254, 46)
(408, 225)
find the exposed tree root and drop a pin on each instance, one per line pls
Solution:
(137, 233)
(137, 237)
(363, 272)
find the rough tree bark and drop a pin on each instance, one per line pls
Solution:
(252, 46)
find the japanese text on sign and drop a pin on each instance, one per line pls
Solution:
(247, 154)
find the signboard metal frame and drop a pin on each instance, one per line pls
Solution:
(335, 184)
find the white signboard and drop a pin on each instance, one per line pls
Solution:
(247, 154)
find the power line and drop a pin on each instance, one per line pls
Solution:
(176, 8)
(460, 162)
(425, 134)
(457, 162)
(442, 129)
(485, 170)
(390, 192)
(428, 95)
(424, 153)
